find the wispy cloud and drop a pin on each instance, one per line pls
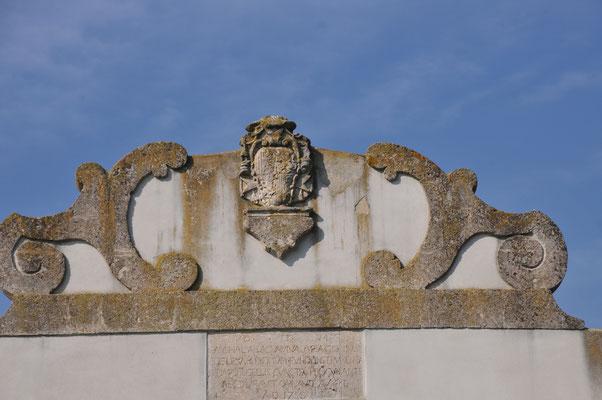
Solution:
(51, 60)
(211, 66)
(568, 82)
(399, 96)
(454, 110)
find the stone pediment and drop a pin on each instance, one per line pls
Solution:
(278, 235)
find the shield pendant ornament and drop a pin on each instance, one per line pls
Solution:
(275, 173)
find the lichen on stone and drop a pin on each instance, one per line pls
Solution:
(98, 217)
(235, 310)
(457, 214)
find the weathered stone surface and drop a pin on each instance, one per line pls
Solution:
(177, 271)
(278, 229)
(475, 266)
(286, 365)
(41, 261)
(457, 215)
(382, 269)
(593, 348)
(153, 311)
(127, 265)
(519, 259)
(87, 219)
(99, 217)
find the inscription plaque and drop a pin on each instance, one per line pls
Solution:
(286, 365)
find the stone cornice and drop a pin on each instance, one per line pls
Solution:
(203, 310)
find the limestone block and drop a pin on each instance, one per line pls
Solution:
(104, 367)
(286, 365)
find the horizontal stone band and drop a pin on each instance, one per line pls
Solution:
(160, 311)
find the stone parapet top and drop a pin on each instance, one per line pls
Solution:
(239, 310)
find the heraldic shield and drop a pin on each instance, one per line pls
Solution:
(275, 174)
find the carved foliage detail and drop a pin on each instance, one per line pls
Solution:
(99, 218)
(456, 214)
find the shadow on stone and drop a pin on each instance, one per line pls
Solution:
(305, 243)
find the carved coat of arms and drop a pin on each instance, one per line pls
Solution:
(275, 173)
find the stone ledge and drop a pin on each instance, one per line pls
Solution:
(160, 311)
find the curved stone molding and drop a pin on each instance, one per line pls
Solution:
(42, 262)
(98, 217)
(127, 265)
(534, 262)
(177, 271)
(88, 219)
(456, 214)
(381, 268)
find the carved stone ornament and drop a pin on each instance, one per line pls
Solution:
(532, 255)
(276, 163)
(278, 229)
(276, 181)
(98, 217)
(276, 172)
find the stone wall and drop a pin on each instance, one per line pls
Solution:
(324, 364)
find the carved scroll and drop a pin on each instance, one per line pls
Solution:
(88, 219)
(533, 256)
(99, 218)
(176, 272)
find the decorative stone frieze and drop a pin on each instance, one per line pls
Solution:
(279, 191)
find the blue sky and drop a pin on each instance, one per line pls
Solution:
(512, 91)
